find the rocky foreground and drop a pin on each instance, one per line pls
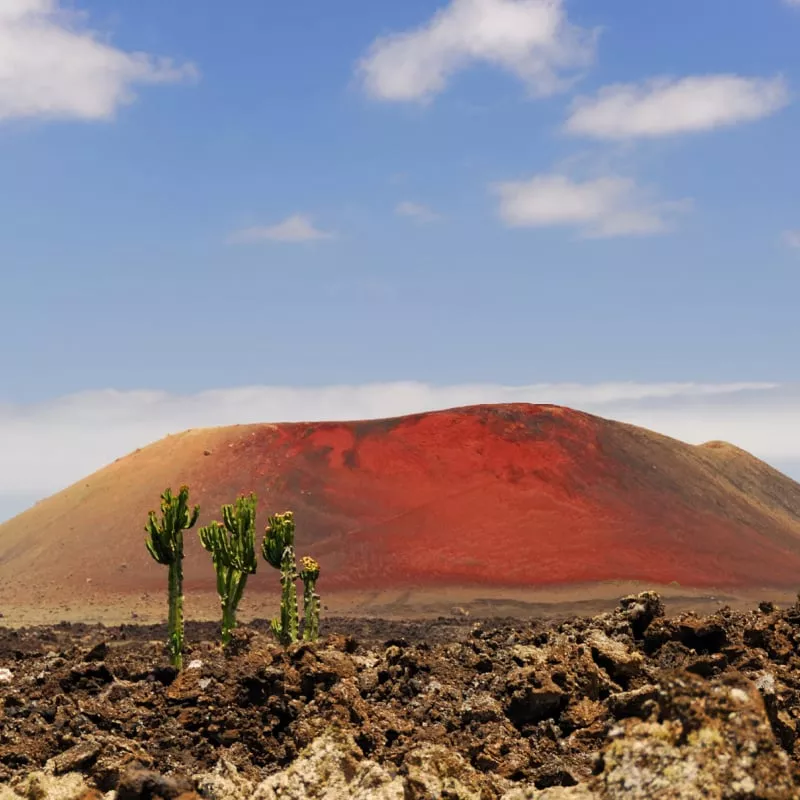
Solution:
(629, 704)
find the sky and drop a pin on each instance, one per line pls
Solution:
(308, 210)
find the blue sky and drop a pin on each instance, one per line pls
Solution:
(504, 193)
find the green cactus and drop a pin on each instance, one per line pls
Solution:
(233, 550)
(278, 550)
(309, 573)
(165, 545)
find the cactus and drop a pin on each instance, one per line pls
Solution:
(232, 547)
(309, 573)
(165, 545)
(278, 550)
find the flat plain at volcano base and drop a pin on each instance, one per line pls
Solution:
(469, 602)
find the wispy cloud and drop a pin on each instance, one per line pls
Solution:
(531, 39)
(666, 106)
(600, 208)
(792, 238)
(48, 446)
(297, 228)
(54, 67)
(416, 211)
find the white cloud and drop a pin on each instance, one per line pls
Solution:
(48, 446)
(665, 106)
(603, 207)
(532, 39)
(53, 67)
(416, 211)
(792, 238)
(297, 228)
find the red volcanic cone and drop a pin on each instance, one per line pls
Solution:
(509, 495)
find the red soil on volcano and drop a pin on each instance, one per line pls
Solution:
(509, 495)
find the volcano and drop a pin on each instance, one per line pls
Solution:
(518, 496)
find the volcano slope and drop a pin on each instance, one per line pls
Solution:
(513, 497)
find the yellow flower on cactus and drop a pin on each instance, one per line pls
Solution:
(309, 568)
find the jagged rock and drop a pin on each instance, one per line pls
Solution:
(97, 653)
(713, 741)
(186, 687)
(434, 772)
(554, 773)
(89, 676)
(224, 783)
(553, 793)
(533, 696)
(583, 713)
(481, 708)
(636, 703)
(332, 768)
(115, 758)
(640, 610)
(775, 642)
(527, 654)
(703, 635)
(615, 657)
(77, 756)
(141, 784)
(707, 665)
(45, 786)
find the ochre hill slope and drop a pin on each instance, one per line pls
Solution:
(508, 495)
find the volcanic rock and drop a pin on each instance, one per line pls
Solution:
(580, 708)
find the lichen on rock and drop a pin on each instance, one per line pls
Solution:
(709, 739)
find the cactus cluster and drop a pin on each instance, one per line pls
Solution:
(278, 551)
(233, 553)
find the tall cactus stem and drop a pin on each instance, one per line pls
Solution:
(232, 547)
(290, 624)
(278, 550)
(309, 573)
(165, 544)
(175, 621)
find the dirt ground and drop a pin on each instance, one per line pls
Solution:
(520, 702)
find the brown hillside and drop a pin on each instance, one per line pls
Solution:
(490, 496)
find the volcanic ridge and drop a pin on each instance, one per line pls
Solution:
(517, 496)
